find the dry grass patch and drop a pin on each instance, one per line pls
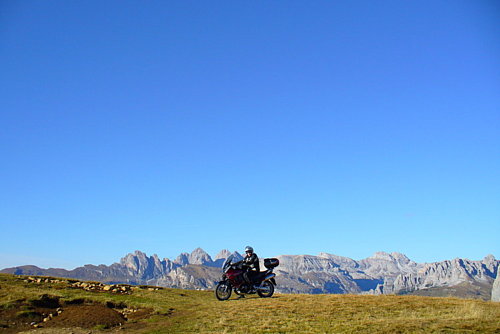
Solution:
(184, 311)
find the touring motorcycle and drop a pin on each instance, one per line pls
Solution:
(232, 279)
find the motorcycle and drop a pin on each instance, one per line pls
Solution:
(232, 279)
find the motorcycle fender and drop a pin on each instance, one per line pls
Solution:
(273, 281)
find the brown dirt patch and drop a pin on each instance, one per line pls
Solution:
(140, 314)
(87, 316)
(19, 314)
(48, 313)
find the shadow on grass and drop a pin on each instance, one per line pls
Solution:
(249, 297)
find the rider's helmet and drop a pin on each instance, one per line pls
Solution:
(248, 249)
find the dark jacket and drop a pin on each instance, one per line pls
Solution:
(252, 262)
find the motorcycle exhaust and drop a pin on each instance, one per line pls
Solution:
(268, 277)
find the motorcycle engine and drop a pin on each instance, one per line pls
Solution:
(244, 288)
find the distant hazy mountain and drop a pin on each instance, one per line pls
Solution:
(195, 270)
(328, 273)
(452, 277)
(382, 273)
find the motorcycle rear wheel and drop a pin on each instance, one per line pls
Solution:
(223, 290)
(269, 290)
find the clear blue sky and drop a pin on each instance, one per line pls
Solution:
(297, 127)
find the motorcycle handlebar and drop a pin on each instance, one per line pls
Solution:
(238, 265)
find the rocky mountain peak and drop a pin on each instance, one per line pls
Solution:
(400, 257)
(139, 264)
(199, 256)
(445, 273)
(344, 262)
(489, 258)
(223, 254)
(182, 259)
(131, 260)
(489, 262)
(382, 256)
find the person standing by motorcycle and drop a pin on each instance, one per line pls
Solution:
(251, 264)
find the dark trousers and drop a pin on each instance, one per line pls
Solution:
(250, 276)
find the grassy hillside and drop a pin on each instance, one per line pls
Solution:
(24, 302)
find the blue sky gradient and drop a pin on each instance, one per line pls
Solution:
(296, 127)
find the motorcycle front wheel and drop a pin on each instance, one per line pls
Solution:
(266, 290)
(223, 290)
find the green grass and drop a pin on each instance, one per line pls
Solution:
(185, 311)
(100, 327)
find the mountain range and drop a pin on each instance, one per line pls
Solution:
(381, 273)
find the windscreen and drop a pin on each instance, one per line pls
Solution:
(228, 262)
